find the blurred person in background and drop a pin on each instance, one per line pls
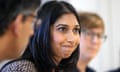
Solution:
(92, 36)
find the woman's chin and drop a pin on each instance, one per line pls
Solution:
(66, 55)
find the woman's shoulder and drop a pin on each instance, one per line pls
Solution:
(19, 66)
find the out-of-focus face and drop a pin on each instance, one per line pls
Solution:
(24, 30)
(90, 43)
(65, 36)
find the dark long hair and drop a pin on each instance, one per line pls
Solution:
(39, 46)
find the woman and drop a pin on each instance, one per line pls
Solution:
(92, 36)
(55, 44)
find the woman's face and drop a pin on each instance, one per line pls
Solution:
(65, 36)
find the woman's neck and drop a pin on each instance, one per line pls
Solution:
(57, 60)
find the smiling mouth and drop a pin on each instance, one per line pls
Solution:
(68, 46)
(68, 49)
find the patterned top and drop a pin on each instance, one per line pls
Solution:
(19, 66)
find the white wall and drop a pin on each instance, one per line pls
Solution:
(116, 30)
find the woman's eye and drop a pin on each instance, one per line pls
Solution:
(76, 30)
(62, 29)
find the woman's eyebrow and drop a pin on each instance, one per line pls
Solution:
(62, 25)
